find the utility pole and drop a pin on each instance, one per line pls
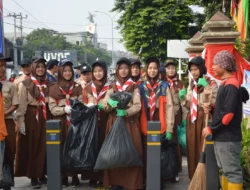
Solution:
(15, 46)
(14, 15)
(21, 17)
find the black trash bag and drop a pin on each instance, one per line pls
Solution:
(169, 160)
(81, 146)
(7, 179)
(118, 149)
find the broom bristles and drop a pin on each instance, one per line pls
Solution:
(198, 181)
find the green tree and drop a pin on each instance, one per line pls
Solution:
(47, 40)
(44, 40)
(147, 25)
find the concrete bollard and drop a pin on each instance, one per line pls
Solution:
(53, 136)
(154, 156)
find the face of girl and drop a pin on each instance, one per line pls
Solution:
(135, 70)
(67, 72)
(123, 70)
(152, 70)
(171, 70)
(195, 71)
(98, 72)
(40, 69)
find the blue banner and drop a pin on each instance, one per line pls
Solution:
(1, 26)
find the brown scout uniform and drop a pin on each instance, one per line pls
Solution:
(10, 98)
(56, 108)
(129, 178)
(20, 79)
(194, 130)
(31, 148)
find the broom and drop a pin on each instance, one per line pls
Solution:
(198, 181)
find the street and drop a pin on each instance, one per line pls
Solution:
(22, 183)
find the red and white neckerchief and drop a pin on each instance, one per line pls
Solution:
(67, 100)
(125, 86)
(194, 101)
(41, 98)
(139, 82)
(98, 96)
(171, 81)
(152, 98)
(103, 91)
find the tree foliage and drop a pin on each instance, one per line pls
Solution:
(47, 40)
(147, 25)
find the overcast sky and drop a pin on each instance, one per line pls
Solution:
(64, 16)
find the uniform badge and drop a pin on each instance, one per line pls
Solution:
(6, 100)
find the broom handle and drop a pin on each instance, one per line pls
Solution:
(204, 142)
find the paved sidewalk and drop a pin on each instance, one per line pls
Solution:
(23, 183)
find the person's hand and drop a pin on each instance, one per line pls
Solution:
(206, 108)
(182, 93)
(168, 136)
(22, 129)
(206, 132)
(67, 109)
(121, 112)
(203, 81)
(112, 103)
(100, 106)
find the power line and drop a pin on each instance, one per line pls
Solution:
(8, 10)
(13, 25)
(31, 14)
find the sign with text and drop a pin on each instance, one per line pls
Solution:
(60, 54)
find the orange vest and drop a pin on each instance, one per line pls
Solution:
(3, 131)
(162, 116)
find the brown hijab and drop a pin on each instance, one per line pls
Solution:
(122, 80)
(55, 91)
(31, 86)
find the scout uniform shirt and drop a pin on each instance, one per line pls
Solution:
(10, 96)
(25, 99)
(19, 79)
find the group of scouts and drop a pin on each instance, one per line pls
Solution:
(39, 95)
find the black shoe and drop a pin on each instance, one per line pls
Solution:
(92, 183)
(116, 187)
(43, 180)
(7, 188)
(75, 182)
(65, 182)
(35, 184)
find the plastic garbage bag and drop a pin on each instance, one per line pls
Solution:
(118, 149)
(169, 160)
(81, 146)
(181, 131)
(6, 179)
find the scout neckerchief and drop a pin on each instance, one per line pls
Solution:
(139, 82)
(41, 98)
(155, 90)
(125, 86)
(194, 102)
(98, 96)
(171, 81)
(103, 91)
(67, 100)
